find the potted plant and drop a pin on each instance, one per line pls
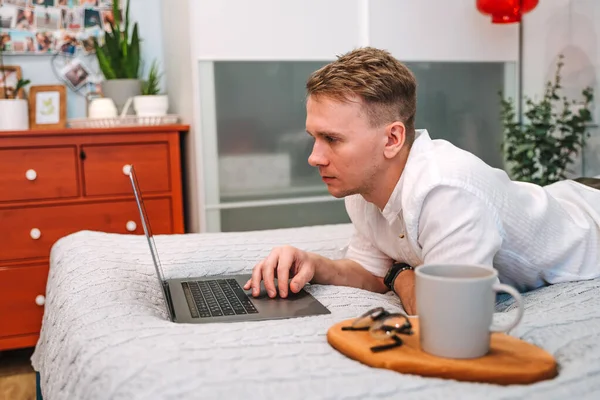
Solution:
(151, 103)
(119, 59)
(14, 111)
(542, 148)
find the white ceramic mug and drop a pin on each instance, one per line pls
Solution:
(102, 107)
(455, 305)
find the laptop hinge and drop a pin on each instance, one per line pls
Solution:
(170, 306)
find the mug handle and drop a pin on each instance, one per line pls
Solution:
(126, 107)
(499, 287)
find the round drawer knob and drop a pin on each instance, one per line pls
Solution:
(131, 226)
(126, 169)
(30, 174)
(35, 233)
(40, 300)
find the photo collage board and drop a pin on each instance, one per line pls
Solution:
(53, 26)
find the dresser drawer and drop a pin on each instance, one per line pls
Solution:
(38, 173)
(105, 168)
(30, 232)
(20, 288)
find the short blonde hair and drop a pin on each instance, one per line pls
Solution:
(386, 86)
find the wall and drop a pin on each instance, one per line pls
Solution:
(38, 68)
(307, 30)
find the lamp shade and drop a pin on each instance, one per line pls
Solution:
(506, 11)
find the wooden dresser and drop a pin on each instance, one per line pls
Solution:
(53, 183)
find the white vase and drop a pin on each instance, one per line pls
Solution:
(14, 115)
(151, 105)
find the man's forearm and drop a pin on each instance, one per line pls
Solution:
(345, 273)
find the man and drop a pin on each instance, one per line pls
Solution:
(415, 201)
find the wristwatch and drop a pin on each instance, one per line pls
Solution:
(393, 273)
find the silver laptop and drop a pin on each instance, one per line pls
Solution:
(220, 298)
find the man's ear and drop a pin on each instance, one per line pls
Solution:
(396, 136)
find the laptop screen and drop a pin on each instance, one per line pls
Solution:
(149, 236)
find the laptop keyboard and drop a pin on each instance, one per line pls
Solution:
(217, 298)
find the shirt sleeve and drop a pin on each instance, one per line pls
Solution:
(362, 251)
(455, 226)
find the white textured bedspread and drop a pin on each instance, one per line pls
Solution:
(105, 333)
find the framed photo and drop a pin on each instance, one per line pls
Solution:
(47, 107)
(9, 77)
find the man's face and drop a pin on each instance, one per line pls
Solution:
(347, 150)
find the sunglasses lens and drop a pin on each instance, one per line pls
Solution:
(367, 318)
(388, 327)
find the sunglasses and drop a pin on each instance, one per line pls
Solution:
(382, 325)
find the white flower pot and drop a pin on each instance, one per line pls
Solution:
(151, 106)
(14, 115)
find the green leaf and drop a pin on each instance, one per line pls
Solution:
(104, 62)
(151, 86)
(119, 56)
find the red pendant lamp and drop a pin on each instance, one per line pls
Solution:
(506, 11)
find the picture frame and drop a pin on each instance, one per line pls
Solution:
(47, 107)
(9, 76)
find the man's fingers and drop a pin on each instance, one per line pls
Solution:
(286, 259)
(256, 278)
(303, 276)
(268, 269)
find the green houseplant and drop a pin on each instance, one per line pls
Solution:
(14, 111)
(151, 87)
(119, 58)
(541, 149)
(151, 103)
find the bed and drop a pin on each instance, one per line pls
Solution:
(105, 333)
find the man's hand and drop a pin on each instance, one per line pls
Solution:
(283, 263)
(404, 286)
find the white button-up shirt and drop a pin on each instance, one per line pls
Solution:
(450, 207)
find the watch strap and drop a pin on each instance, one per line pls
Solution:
(393, 273)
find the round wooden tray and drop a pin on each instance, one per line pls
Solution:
(510, 360)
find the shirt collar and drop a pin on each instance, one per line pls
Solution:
(394, 205)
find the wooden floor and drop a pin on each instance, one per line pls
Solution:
(17, 378)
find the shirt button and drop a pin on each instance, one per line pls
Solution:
(401, 236)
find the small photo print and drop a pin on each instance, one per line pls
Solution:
(87, 42)
(5, 41)
(108, 19)
(67, 3)
(20, 3)
(22, 42)
(71, 19)
(105, 4)
(47, 18)
(89, 3)
(91, 18)
(75, 73)
(8, 17)
(8, 78)
(25, 19)
(67, 43)
(43, 3)
(62, 3)
(47, 108)
(44, 42)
